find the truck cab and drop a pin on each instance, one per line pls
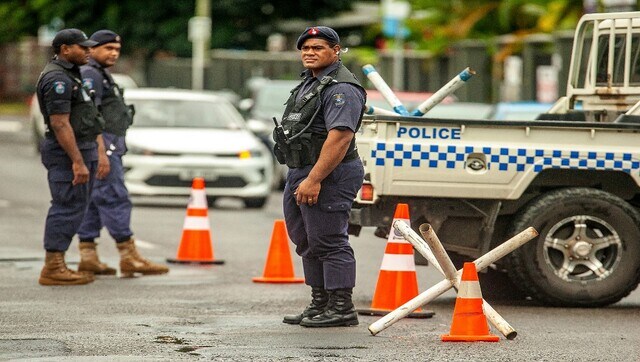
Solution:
(604, 74)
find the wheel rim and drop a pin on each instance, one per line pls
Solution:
(582, 248)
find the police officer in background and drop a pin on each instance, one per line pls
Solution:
(70, 151)
(316, 140)
(110, 205)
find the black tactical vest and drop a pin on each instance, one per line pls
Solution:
(84, 117)
(296, 145)
(117, 114)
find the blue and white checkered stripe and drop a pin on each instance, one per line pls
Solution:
(500, 158)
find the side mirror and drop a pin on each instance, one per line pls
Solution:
(245, 105)
(258, 127)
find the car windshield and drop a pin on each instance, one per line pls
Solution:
(271, 98)
(185, 114)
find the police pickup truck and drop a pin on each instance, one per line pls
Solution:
(573, 174)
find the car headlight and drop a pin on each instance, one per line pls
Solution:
(249, 154)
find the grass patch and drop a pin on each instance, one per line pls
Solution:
(14, 108)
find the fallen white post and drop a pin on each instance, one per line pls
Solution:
(384, 89)
(447, 89)
(450, 271)
(371, 110)
(432, 293)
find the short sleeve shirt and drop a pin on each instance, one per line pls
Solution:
(55, 90)
(93, 79)
(342, 103)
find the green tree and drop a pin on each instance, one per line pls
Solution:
(436, 24)
(153, 26)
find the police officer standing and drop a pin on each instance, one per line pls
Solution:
(110, 205)
(316, 140)
(69, 151)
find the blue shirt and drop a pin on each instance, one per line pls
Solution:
(93, 78)
(97, 78)
(55, 91)
(342, 103)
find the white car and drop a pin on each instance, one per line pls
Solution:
(178, 135)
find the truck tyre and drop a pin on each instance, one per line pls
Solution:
(587, 253)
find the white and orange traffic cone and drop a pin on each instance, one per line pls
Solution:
(397, 281)
(469, 322)
(195, 245)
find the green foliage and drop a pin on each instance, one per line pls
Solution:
(436, 24)
(151, 26)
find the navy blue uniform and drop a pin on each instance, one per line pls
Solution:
(55, 91)
(320, 231)
(110, 205)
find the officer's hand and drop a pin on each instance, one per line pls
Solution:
(80, 173)
(307, 192)
(103, 167)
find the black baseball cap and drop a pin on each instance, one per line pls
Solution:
(70, 37)
(105, 36)
(323, 32)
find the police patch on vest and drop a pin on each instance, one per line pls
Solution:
(59, 87)
(338, 99)
(87, 83)
(294, 116)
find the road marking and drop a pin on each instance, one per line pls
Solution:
(10, 126)
(144, 244)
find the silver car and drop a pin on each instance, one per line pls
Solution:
(178, 135)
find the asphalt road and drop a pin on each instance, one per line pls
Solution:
(218, 313)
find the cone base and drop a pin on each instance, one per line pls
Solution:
(281, 280)
(469, 338)
(379, 312)
(202, 262)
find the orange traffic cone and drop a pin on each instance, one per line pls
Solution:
(469, 322)
(397, 281)
(279, 267)
(196, 246)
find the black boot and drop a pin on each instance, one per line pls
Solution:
(319, 300)
(340, 312)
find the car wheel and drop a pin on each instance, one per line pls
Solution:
(255, 202)
(587, 253)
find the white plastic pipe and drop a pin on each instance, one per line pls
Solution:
(438, 289)
(450, 272)
(447, 89)
(371, 110)
(384, 89)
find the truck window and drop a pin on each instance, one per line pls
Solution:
(583, 46)
(620, 42)
(582, 64)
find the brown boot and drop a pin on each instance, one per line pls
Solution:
(131, 262)
(55, 272)
(89, 261)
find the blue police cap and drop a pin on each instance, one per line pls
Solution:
(323, 32)
(71, 37)
(105, 36)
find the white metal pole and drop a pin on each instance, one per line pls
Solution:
(432, 293)
(450, 273)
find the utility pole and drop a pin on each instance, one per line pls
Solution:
(200, 35)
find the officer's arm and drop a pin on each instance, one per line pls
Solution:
(103, 161)
(67, 140)
(333, 151)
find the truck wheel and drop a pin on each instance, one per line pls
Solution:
(587, 253)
